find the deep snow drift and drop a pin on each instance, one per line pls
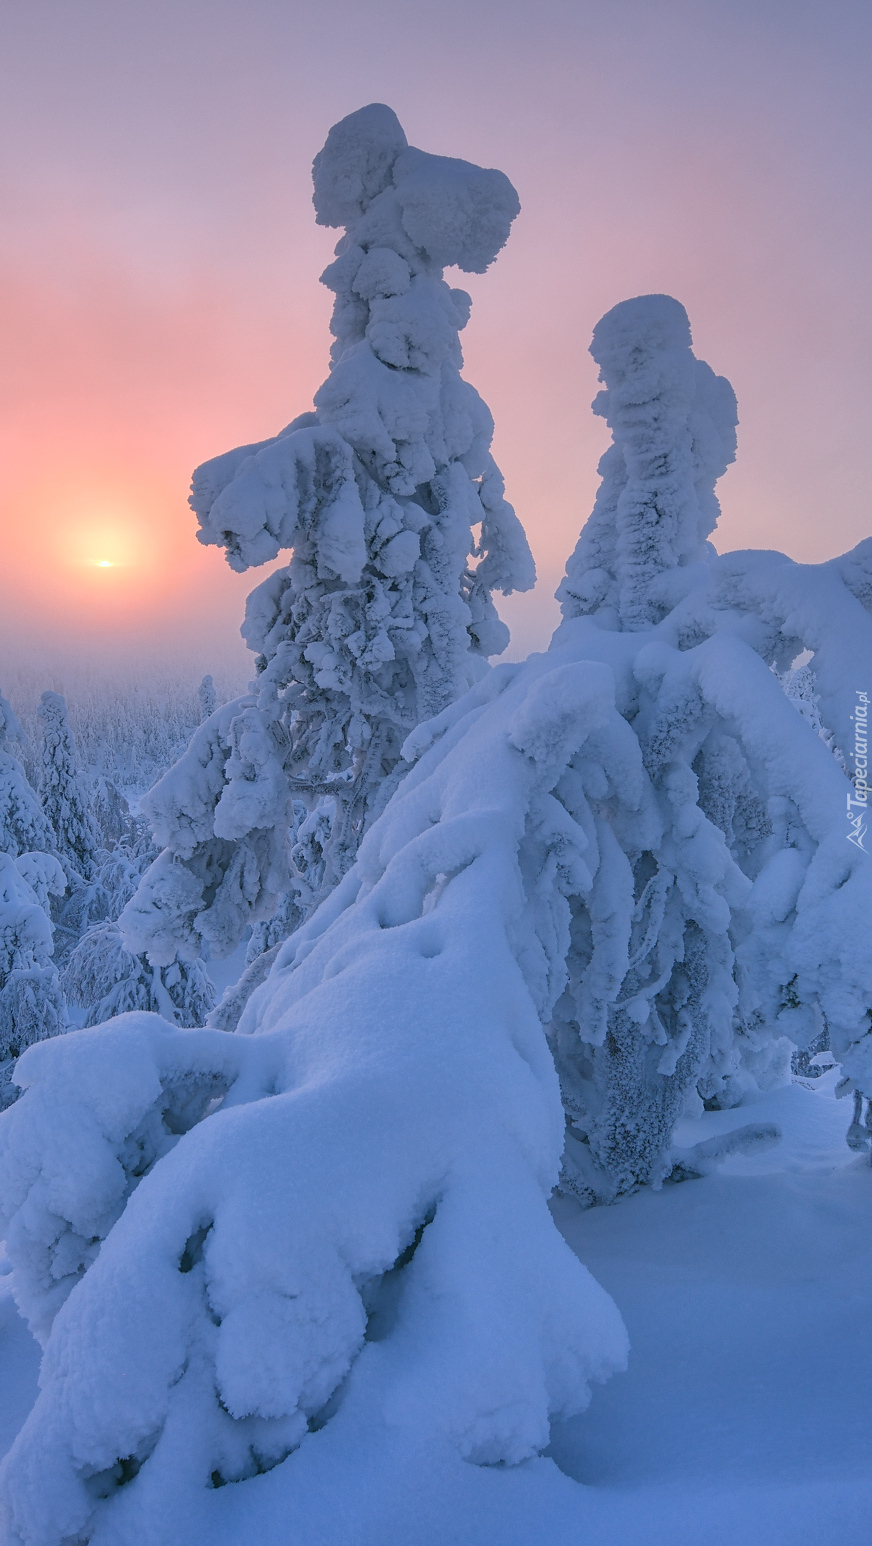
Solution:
(743, 1415)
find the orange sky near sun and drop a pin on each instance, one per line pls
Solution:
(111, 394)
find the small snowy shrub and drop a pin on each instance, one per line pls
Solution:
(393, 506)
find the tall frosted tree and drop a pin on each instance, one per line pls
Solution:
(60, 790)
(685, 980)
(23, 824)
(207, 698)
(74, 834)
(31, 1001)
(393, 507)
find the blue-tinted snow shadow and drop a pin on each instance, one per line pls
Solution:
(19, 1365)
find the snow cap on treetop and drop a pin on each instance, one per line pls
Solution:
(356, 163)
(452, 211)
(644, 344)
(638, 328)
(673, 424)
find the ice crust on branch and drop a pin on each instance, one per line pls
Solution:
(393, 506)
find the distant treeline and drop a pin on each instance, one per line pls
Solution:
(128, 726)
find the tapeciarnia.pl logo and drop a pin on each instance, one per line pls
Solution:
(858, 801)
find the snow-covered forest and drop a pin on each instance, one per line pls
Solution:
(408, 1060)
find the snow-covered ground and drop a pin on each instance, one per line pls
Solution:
(745, 1413)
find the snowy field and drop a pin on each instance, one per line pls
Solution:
(744, 1415)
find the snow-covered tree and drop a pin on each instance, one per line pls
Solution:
(207, 698)
(333, 1226)
(100, 974)
(393, 506)
(105, 980)
(23, 826)
(31, 1002)
(685, 979)
(63, 798)
(110, 814)
(74, 836)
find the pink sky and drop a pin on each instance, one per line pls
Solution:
(159, 265)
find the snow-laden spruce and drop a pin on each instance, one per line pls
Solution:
(207, 698)
(31, 1002)
(726, 917)
(393, 506)
(100, 974)
(67, 808)
(23, 824)
(105, 979)
(673, 424)
(61, 792)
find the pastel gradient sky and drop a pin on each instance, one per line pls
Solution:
(159, 265)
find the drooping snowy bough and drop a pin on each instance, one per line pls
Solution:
(357, 1239)
(391, 501)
